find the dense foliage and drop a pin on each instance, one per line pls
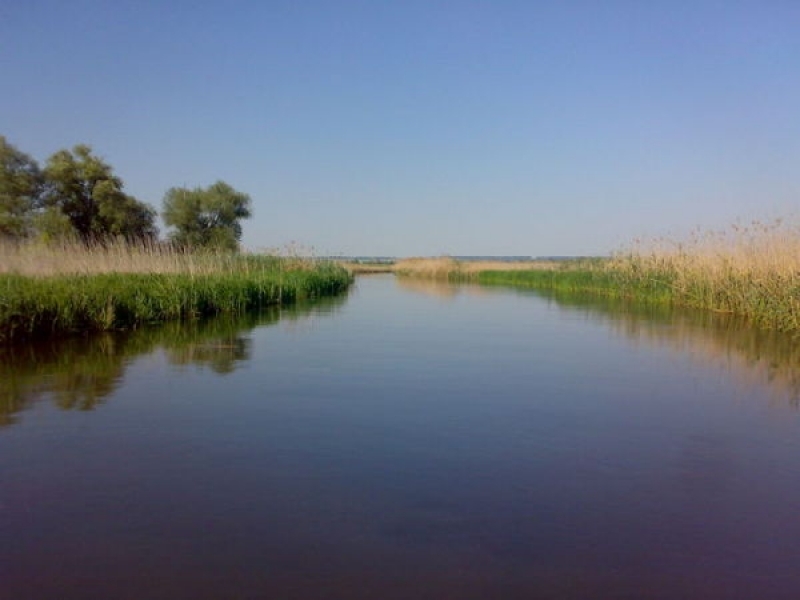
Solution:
(78, 195)
(206, 217)
(21, 185)
(84, 189)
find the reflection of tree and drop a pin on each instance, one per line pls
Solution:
(220, 355)
(80, 373)
(217, 344)
(755, 356)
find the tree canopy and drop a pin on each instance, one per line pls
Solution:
(78, 194)
(206, 217)
(21, 185)
(84, 189)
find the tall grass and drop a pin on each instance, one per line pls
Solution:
(445, 267)
(47, 290)
(748, 270)
(117, 256)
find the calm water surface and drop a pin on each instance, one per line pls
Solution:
(411, 440)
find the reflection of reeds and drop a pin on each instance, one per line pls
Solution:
(429, 287)
(441, 288)
(82, 372)
(756, 357)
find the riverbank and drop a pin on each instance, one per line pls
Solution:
(105, 289)
(772, 302)
(750, 271)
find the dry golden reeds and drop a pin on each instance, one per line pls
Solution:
(69, 257)
(748, 270)
(445, 267)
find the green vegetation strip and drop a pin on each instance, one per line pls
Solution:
(772, 303)
(45, 306)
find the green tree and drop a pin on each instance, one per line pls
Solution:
(206, 217)
(20, 190)
(52, 225)
(84, 188)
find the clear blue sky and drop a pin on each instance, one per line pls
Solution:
(421, 128)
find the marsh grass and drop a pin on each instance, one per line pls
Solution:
(445, 267)
(748, 270)
(116, 256)
(366, 268)
(48, 290)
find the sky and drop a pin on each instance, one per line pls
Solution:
(400, 128)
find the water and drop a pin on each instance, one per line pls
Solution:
(412, 440)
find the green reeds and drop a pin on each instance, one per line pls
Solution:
(771, 303)
(44, 306)
(589, 277)
(751, 271)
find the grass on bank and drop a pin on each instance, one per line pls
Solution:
(46, 290)
(366, 268)
(73, 257)
(748, 270)
(446, 267)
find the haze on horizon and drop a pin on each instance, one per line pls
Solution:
(423, 128)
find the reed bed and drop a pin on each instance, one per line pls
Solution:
(449, 268)
(366, 268)
(439, 268)
(748, 270)
(50, 290)
(117, 256)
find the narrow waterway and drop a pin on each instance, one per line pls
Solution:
(410, 440)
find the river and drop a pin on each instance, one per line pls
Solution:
(409, 440)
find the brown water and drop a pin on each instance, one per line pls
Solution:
(413, 440)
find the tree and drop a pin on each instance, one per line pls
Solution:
(206, 217)
(84, 188)
(20, 189)
(52, 225)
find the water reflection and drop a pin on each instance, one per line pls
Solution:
(80, 373)
(756, 357)
(429, 287)
(439, 288)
